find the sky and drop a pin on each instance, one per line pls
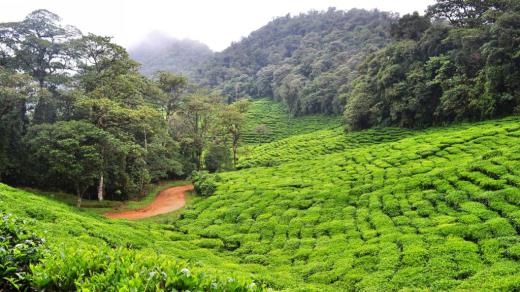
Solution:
(216, 23)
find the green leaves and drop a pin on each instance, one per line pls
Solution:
(19, 249)
(205, 184)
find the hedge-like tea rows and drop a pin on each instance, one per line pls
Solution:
(269, 121)
(312, 145)
(87, 252)
(437, 210)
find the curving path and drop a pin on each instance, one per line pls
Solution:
(168, 200)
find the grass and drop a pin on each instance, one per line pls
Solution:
(378, 210)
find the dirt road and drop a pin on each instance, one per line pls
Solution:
(167, 201)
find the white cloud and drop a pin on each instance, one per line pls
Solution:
(216, 23)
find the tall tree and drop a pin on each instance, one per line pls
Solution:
(40, 46)
(232, 121)
(174, 86)
(469, 13)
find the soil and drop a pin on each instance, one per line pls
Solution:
(167, 201)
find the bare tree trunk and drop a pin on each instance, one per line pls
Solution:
(78, 192)
(145, 141)
(235, 154)
(236, 138)
(100, 187)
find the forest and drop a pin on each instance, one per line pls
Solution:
(459, 61)
(78, 116)
(336, 150)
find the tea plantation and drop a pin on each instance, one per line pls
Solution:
(59, 248)
(379, 210)
(435, 209)
(268, 121)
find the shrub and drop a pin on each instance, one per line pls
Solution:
(18, 250)
(105, 269)
(205, 184)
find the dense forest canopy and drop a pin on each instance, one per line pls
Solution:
(306, 61)
(158, 52)
(459, 62)
(77, 115)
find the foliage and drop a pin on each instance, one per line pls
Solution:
(390, 209)
(307, 61)
(86, 251)
(106, 269)
(268, 121)
(75, 105)
(19, 248)
(385, 209)
(205, 184)
(73, 151)
(216, 158)
(466, 69)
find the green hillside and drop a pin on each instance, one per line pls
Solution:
(337, 150)
(384, 209)
(438, 210)
(84, 250)
(268, 121)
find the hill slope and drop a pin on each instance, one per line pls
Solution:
(88, 251)
(268, 121)
(161, 53)
(306, 60)
(436, 209)
(383, 209)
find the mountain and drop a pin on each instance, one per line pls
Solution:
(158, 52)
(307, 60)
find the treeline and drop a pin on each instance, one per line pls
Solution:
(458, 61)
(76, 115)
(307, 61)
(461, 61)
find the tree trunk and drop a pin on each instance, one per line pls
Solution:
(100, 187)
(145, 141)
(78, 202)
(235, 146)
(236, 138)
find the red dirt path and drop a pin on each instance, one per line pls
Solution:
(167, 201)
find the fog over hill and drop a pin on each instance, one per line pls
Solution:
(160, 52)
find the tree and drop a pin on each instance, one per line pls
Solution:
(232, 121)
(216, 157)
(40, 46)
(99, 60)
(410, 26)
(192, 124)
(174, 86)
(73, 153)
(466, 13)
(16, 92)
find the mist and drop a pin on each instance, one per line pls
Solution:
(215, 23)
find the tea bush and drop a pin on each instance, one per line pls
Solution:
(378, 210)
(434, 209)
(204, 183)
(19, 248)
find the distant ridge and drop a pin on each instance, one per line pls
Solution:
(159, 52)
